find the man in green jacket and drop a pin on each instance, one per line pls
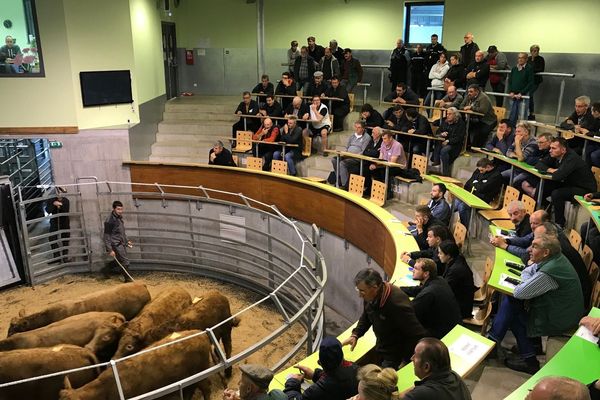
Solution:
(520, 84)
(548, 301)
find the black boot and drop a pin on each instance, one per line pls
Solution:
(529, 365)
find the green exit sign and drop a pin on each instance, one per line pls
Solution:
(55, 144)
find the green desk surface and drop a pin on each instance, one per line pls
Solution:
(402, 277)
(462, 362)
(500, 267)
(578, 359)
(519, 164)
(464, 195)
(592, 208)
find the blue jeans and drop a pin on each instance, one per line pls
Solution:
(511, 315)
(464, 212)
(515, 112)
(289, 158)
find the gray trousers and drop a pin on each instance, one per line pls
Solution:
(345, 165)
(121, 255)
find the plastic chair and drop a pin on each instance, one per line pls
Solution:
(500, 113)
(306, 146)
(594, 272)
(588, 255)
(418, 162)
(482, 316)
(481, 294)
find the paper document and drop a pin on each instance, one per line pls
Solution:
(586, 334)
(468, 348)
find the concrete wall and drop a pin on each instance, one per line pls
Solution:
(143, 135)
(75, 37)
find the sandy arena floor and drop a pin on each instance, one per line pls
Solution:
(256, 323)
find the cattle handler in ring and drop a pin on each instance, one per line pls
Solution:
(116, 242)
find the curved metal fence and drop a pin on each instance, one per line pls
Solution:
(239, 240)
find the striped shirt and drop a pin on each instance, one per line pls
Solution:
(534, 284)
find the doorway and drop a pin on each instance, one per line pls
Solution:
(169, 43)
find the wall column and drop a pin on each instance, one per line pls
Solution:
(260, 37)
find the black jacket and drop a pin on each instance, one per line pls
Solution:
(482, 73)
(274, 110)
(314, 90)
(441, 210)
(394, 323)
(456, 132)
(398, 65)
(374, 119)
(446, 385)
(571, 171)
(410, 96)
(373, 148)
(523, 228)
(486, 186)
(421, 238)
(460, 279)
(456, 74)
(428, 253)
(61, 221)
(421, 125)
(435, 306)
(270, 89)
(251, 109)
(223, 158)
(341, 93)
(316, 53)
(294, 137)
(400, 124)
(340, 384)
(287, 91)
(467, 53)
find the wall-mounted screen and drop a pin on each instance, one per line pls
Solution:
(20, 48)
(99, 88)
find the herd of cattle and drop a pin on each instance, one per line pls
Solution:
(112, 324)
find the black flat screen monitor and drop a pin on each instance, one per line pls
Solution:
(100, 88)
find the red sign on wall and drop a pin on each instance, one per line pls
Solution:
(189, 57)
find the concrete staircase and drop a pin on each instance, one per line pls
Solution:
(190, 127)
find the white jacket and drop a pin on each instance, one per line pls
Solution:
(438, 73)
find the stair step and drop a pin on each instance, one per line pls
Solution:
(200, 108)
(199, 116)
(204, 138)
(186, 149)
(216, 127)
(178, 158)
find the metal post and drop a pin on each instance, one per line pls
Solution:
(309, 331)
(381, 87)
(270, 253)
(25, 232)
(560, 99)
(260, 37)
(522, 109)
(337, 173)
(113, 365)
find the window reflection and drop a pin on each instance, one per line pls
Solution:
(20, 53)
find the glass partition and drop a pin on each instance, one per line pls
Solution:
(20, 49)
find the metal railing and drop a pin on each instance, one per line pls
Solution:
(384, 68)
(290, 275)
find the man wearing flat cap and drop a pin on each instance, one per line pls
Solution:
(254, 385)
(317, 87)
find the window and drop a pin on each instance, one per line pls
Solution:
(421, 20)
(20, 50)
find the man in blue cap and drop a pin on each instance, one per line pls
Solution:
(336, 381)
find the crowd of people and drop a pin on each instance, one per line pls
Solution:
(555, 290)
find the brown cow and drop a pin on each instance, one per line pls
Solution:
(127, 299)
(164, 307)
(78, 330)
(26, 363)
(206, 312)
(149, 371)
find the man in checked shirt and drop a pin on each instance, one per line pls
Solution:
(548, 301)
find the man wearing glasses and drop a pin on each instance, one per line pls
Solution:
(389, 311)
